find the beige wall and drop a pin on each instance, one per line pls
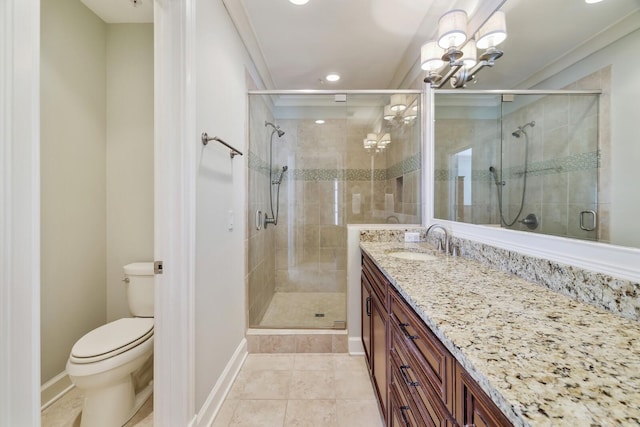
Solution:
(129, 156)
(73, 134)
(97, 170)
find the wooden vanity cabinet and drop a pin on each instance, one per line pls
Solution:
(426, 385)
(374, 328)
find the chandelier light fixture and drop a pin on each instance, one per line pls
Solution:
(455, 49)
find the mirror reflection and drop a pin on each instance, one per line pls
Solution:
(524, 162)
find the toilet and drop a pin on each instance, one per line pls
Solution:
(113, 364)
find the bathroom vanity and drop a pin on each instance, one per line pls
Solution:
(450, 341)
(417, 380)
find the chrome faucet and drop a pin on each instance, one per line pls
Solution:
(446, 237)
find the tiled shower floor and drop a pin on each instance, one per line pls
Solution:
(305, 310)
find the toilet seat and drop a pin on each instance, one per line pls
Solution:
(112, 339)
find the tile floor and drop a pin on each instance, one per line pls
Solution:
(315, 390)
(284, 390)
(65, 412)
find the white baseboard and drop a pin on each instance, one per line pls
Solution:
(207, 414)
(54, 389)
(355, 346)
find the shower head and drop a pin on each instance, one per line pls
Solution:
(279, 180)
(518, 132)
(275, 128)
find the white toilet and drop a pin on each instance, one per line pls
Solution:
(107, 363)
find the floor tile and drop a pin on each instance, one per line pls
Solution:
(358, 413)
(312, 385)
(353, 385)
(259, 413)
(225, 414)
(261, 385)
(311, 413)
(313, 362)
(268, 362)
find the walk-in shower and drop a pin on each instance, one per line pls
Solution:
(526, 160)
(317, 162)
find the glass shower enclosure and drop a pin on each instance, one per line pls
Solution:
(318, 161)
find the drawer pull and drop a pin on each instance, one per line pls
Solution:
(404, 417)
(405, 376)
(403, 327)
(368, 306)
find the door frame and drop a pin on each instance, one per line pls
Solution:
(175, 143)
(20, 212)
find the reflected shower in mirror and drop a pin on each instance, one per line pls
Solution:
(526, 162)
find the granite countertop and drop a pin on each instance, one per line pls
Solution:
(543, 358)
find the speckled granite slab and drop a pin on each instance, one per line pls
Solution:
(544, 358)
(619, 296)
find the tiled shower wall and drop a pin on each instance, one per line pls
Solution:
(331, 182)
(568, 155)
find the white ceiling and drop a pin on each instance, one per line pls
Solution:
(122, 11)
(375, 44)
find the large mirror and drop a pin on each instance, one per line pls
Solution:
(547, 162)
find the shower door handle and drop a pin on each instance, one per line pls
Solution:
(258, 220)
(593, 223)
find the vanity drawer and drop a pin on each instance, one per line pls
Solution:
(434, 362)
(377, 280)
(403, 410)
(408, 376)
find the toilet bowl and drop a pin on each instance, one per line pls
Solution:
(105, 362)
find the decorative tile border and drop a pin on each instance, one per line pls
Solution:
(407, 165)
(574, 163)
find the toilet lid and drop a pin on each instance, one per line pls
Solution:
(112, 339)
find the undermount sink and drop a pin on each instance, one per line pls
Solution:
(412, 256)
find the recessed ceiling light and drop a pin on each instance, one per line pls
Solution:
(333, 77)
(319, 121)
(592, 1)
(299, 2)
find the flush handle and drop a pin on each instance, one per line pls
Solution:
(157, 267)
(593, 220)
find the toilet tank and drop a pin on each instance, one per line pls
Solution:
(140, 288)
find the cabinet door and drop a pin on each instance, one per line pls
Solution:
(476, 409)
(366, 320)
(379, 350)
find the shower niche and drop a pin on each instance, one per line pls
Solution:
(527, 162)
(318, 162)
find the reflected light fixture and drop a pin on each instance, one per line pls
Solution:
(375, 143)
(455, 49)
(398, 103)
(402, 109)
(319, 122)
(299, 2)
